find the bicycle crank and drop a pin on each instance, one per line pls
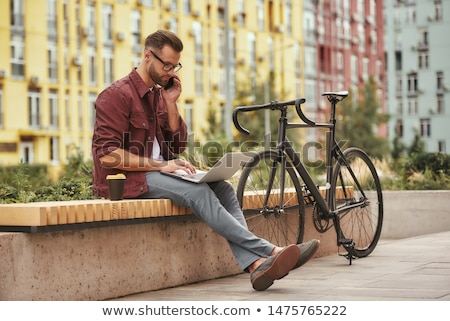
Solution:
(322, 225)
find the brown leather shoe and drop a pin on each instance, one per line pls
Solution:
(307, 251)
(275, 267)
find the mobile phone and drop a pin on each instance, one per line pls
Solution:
(169, 84)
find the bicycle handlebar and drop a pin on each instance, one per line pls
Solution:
(274, 105)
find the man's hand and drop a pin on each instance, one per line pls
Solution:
(176, 164)
(172, 94)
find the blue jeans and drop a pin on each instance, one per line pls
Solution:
(216, 204)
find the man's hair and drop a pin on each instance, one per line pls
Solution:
(160, 38)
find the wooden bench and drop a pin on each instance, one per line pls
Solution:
(63, 215)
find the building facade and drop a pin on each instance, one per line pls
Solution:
(344, 46)
(418, 71)
(62, 53)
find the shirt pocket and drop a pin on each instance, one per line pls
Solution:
(139, 128)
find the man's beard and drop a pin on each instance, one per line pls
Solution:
(155, 77)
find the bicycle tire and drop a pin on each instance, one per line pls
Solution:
(362, 224)
(282, 228)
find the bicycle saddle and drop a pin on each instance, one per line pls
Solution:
(342, 93)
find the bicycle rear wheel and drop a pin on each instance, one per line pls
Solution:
(361, 224)
(281, 223)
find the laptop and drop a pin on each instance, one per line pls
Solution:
(224, 169)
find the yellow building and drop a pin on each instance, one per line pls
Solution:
(57, 55)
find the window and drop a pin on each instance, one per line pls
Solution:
(222, 48)
(17, 16)
(51, 18)
(361, 37)
(423, 60)
(297, 55)
(92, 98)
(68, 110)
(423, 42)
(186, 6)
(189, 117)
(412, 106)
(173, 24)
(438, 10)
(251, 40)
(136, 31)
(398, 60)
(365, 68)
(173, 6)
(240, 16)
(34, 109)
(222, 82)
(260, 14)
(398, 85)
(310, 60)
(440, 105)
(374, 41)
(92, 66)
(52, 62)
(288, 17)
(379, 70)
(399, 107)
(354, 68)
(66, 18)
(147, 3)
(411, 14)
(67, 64)
(399, 128)
(440, 81)
(198, 40)
(107, 23)
(108, 66)
(53, 110)
(80, 111)
(441, 147)
(54, 150)
(199, 79)
(412, 83)
(17, 56)
(221, 11)
(91, 30)
(425, 128)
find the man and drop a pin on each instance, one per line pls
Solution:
(139, 131)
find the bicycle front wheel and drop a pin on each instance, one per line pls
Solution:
(280, 220)
(356, 182)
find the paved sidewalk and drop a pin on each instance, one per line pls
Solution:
(413, 269)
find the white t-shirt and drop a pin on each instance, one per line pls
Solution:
(156, 151)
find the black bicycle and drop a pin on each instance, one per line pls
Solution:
(275, 201)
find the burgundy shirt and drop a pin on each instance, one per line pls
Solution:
(129, 115)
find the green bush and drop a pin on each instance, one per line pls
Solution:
(26, 183)
(436, 163)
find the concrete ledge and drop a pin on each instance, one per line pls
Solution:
(165, 251)
(412, 213)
